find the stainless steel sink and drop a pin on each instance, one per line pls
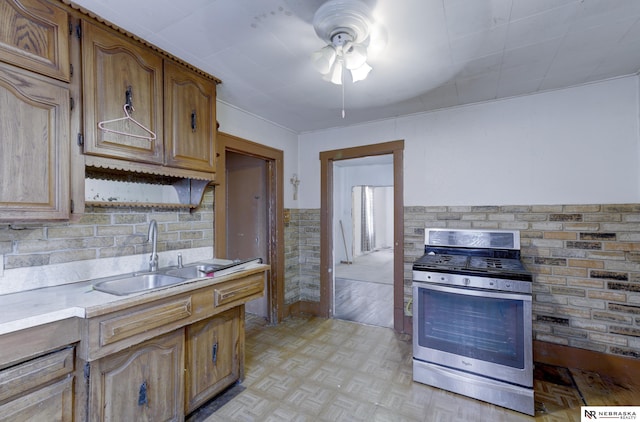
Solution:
(140, 282)
(136, 283)
(196, 271)
(206, 269)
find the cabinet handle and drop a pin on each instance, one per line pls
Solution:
(214, 353)
(194, 123)
(128, 98)
(142, 395)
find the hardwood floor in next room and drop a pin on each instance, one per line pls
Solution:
(313, 369)
(363, 290)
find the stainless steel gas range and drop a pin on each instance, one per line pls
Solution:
(472, 330)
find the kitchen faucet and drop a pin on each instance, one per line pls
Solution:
(153, 237)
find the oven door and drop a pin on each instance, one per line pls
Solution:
(482, 332)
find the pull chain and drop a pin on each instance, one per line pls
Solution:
(342, 77)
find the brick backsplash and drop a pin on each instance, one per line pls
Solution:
(105, 232)
(585, 260)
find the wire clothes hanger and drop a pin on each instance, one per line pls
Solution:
(150, 137)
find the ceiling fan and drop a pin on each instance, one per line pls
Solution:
(347, 27)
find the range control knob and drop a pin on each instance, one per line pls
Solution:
(466, 281)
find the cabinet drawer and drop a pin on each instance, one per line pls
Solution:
(51, 403)
(233, 291)
(118, 328)
(28, 375)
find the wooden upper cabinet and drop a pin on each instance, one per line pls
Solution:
(34, 147)
(190, 119)
(119, 73)
(34, 35)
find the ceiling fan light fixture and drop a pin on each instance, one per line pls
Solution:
(324, 58)
(345, 26)
(335, 73)
(355, 55)
(360, 73)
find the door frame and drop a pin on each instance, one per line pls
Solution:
(401, 323)
(275, 186)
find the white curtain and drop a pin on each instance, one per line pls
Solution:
(367, 238)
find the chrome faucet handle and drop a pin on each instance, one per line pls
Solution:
(180, 260)
(153, 263)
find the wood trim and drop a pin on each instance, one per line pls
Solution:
(400, 322)
(618, 367)
(275, 186)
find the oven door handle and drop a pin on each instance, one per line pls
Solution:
(473, 292)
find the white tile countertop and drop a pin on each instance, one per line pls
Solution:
(26, 309)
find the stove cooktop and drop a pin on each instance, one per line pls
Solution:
(482, 266)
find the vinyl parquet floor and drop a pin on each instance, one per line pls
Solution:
(313, 369)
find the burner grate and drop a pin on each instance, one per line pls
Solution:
(498, 264)
(448, 261)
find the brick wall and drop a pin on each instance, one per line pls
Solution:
(585, 260)
(106, 232)
(291, 256)
(309, 259)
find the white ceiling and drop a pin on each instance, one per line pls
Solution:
(439, 53)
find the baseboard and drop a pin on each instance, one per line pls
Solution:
(618, 367)
(303, 307)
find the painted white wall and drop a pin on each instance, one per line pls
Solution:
(253, 128)
(570, 146)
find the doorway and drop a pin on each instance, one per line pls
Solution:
(401, 323)
(363, 240)
(247, 215)
(249, 209)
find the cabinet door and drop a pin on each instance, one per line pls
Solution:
(34, 147)
(212, 357)
(34, 35)
(143, 383)
(117, 71)
(190, 119)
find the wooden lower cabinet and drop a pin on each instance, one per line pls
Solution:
(142, 383)
(39, 389)
(162, 359)
(213, 353)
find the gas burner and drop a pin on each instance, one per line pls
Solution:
(495, 264)
(442, 261)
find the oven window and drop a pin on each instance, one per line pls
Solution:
(484, 328)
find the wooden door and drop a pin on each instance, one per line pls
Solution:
(34, 34)
(117, 71)
(143, 383)
(212, 357)
(190, 119)
(34, 147)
